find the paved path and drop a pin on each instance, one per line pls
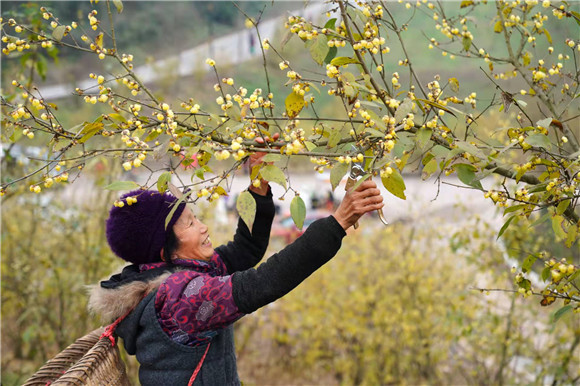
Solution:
(449, 203)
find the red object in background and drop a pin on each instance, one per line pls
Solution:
(188, 162)
(287, 230)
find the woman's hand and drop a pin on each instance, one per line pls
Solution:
(366, 198)
(255, 160)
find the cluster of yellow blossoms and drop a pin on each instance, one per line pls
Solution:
(294, 138)
(16, 44)
(129, 200)
(226, 101)
(561, 269)
(497, 197)
(136, 162)
(49, 181)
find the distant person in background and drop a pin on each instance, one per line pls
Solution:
(314, 200)
(330, 201)
(175, 304)
(252, 43)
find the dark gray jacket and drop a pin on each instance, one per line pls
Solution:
(165, 362)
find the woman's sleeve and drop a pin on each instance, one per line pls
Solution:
(247, 249)
(189, 303)
(283, 271)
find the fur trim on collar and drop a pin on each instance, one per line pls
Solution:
(110, 304)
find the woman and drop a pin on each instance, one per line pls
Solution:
(180, 297)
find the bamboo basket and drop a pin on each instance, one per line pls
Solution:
(88, 361)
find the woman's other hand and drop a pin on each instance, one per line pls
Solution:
(366, 198)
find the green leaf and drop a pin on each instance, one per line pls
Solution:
(348, 77)
(528, 262)
(539, 140)
(557, 226)
(117, 117)
(254, 172)
(274, 174)
(119, 5)
(561, 312)
(423, 137)
(546, 273)
(58, 33)
(545, 123)
(538, 188)
(505, 226)
(319, 49)
(298, 211)
(246, 206)
(122, 185)
(154, 134)
(234, 112)
(335, 137)
(404, 158)
(89, 130)
(16, 135)
(309, 145)
(466, 43)
(541, 220)
(200, 173)
(469, 148)
(176, 205)
(513, 208)
(163, 181)
(271, 157)
(466, 174)
(330, 23)
(429, 169)
(342, 60)
(395, 184)
(562, 206)
(526, 284)
(576, 16)
(331, 55)
(373, 133)
(349, 91)
(548, 36)
(428, 157)
(571, 238)
(294, 104)
(336, 173)
(403, 109)
(453, 152)
(574, 276)
(437, 105)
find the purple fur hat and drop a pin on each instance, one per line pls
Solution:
(136, 232)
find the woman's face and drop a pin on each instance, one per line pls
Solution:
(193, 236)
